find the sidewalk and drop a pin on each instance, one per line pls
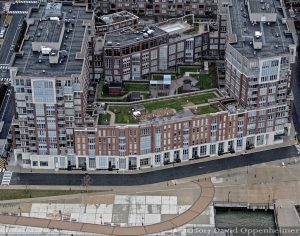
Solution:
(287, 142)
(199, 206)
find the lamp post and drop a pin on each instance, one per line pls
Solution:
(101, 219)
(142, 220)
(228, 196)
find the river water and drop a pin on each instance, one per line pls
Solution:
(242, 220)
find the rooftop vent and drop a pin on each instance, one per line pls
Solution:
(118, 44)
(263, 7)
(276, 45)
(277, 35)
(109, 43)
(54, 18)
(261, 1)
(44, 71)
(137, 39)
(145, 35)
(258, 34)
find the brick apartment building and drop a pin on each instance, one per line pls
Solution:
(170, 8)
(133, 53)
(259, 52)
(50, 75)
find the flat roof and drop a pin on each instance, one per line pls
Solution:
(274, 39)
(262, 6)
(117, 17)
(129, 35)
(32, 64)
(174, 27)
(48, 31)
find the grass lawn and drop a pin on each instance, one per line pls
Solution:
(161, 77)
(183, 69)
(123, 114)
(206, 109)
(179, 103)
(205, 81)
(9, 194)
(130, 86)
(104, 119)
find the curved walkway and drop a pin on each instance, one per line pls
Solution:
(203, 201)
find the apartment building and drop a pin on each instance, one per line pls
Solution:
(133, 53)
(49, 127)
(170, 8)
(259, 54)
(168, 139)
(50, 75)
(114, 21)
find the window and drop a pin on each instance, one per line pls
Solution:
(212, 149)
(260, 140)
(122, 163)
(44, 163)
(157, 158)
(35, 163)
(144, 162)
(203, 150)
(185, 154)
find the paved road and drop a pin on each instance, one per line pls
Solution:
(157, 175)
(296, 93)
(10, 39)
(6, 113)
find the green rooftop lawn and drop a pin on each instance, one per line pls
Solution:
(131, 86)
(183, 69)
(161, 77)
(205, 81)
(123, 114)
(206, 109)
(104, 119)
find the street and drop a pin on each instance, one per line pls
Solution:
(155, 176)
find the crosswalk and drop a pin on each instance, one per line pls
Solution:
(298, 148)
(18, 12)
(6, 178)
(3, 67)
(28, 2)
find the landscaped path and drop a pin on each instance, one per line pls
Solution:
(203, 201)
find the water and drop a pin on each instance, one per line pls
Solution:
(247, 219)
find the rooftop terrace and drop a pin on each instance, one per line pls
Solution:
(167, 108)
(262, 6)
(32, 63)
(117, 17)
(129, 35)
(274, 37)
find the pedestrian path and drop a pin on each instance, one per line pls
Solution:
(6, 178)
(199, 206)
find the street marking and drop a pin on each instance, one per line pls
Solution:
(6, 178)
(298, 148)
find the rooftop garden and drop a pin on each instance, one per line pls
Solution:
(102, 91)
(124, 113)
(104, 119)
(182, 69)
(206, 80)
(133, 86)
(180, 102)
(161, 77)
(206, 109)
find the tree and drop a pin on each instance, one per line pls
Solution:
(86, 181)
